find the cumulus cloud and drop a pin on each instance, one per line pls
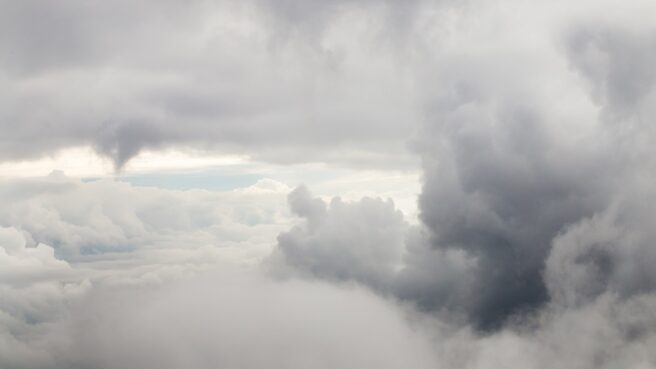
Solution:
(598, 312)
(610, 252)
(341, 241)
(101, 315)
(524, 154)
(370, 243)
(27, 263)
(532, 122)
(508, 170)
(36, 288)
(94, 218)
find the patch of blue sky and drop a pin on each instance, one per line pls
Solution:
(226, 178)
(215, 180)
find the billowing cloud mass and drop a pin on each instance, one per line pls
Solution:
(531, 122)
(521, 150)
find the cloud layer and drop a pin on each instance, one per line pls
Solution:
(240, 77)
(85, 219)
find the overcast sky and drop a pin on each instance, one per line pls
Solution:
(327, 184)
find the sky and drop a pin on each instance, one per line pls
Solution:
(327, 184)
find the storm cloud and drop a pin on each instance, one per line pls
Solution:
(223, 76)
(530, 121)
(528, 157)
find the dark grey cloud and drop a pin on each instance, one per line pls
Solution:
(502, 185)
(609, 252)
(500, 188)
(516, 167)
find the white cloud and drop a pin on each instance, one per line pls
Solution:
(95, 218)
(244, 321)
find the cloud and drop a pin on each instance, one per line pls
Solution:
(402, 309)
(518, 170)
(508, 170)
(83, 219)
(599, 286)
(36, 289)
(27, 264)
(532, 121)
(369, 242)
(244, 321)
(607, 253)
(360, 241)
(126, 76)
